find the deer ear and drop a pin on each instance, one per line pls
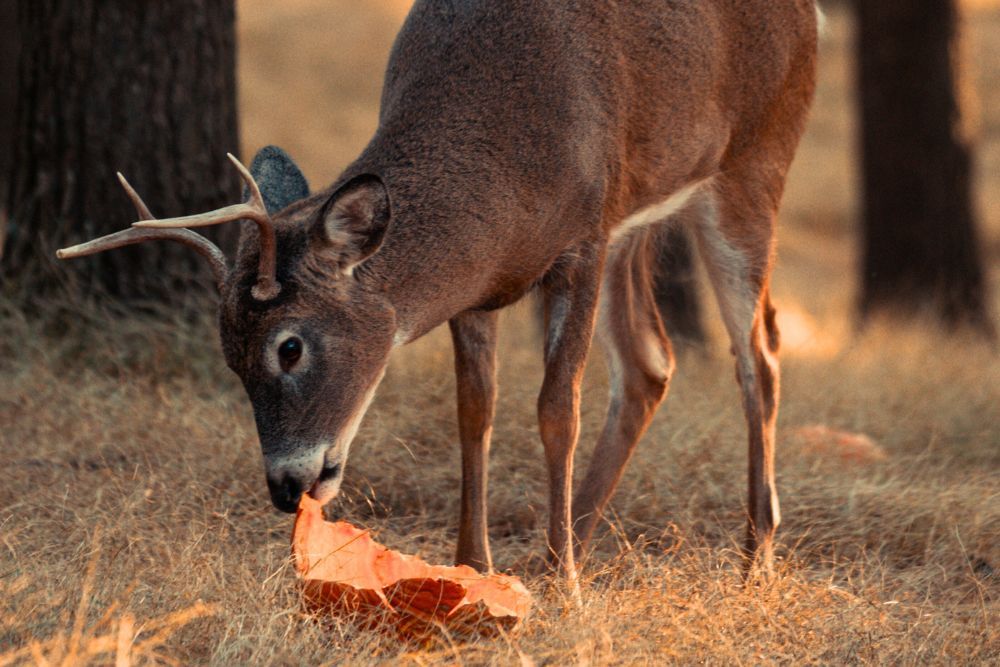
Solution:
(355, 219)
(280, 180)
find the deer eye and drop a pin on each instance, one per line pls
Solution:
(289, 353)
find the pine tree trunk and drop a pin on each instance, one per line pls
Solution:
(676, 289)
(9, 52)
(145, 88)
(919, 237)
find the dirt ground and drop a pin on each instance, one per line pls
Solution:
(134, 517)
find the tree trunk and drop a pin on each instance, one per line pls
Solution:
(145, 88)
(9, 52)
(676, 289)
(919, 236)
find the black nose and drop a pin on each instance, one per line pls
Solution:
(285, 492)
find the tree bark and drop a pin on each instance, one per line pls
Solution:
(145, 88)
(920, 251)
(9, 52)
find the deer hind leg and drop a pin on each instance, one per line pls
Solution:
(474, 335)
(570, 294)
(735, 238)
(640, 362)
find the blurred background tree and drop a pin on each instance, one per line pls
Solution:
(676, 288)
(145, 88)
(9, 49)
(919, 238)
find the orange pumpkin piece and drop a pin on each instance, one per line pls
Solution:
(346, 572)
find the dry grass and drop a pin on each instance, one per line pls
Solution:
(133, 489)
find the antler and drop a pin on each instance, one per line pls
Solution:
(132, 236)
(267, 286)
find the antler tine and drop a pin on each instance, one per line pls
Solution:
(267, 286)
(255, 197)
(140, 206)
(133, 236)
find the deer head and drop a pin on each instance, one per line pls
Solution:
(303, 324)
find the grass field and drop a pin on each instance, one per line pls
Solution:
(134, 518)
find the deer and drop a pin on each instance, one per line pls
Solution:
(524, 146)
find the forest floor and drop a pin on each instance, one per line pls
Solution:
(133, 498)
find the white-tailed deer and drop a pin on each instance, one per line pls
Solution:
(527, 144)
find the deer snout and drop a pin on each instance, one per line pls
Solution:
(318, 474)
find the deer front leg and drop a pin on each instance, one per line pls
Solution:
(570, 301)
(474, 335)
